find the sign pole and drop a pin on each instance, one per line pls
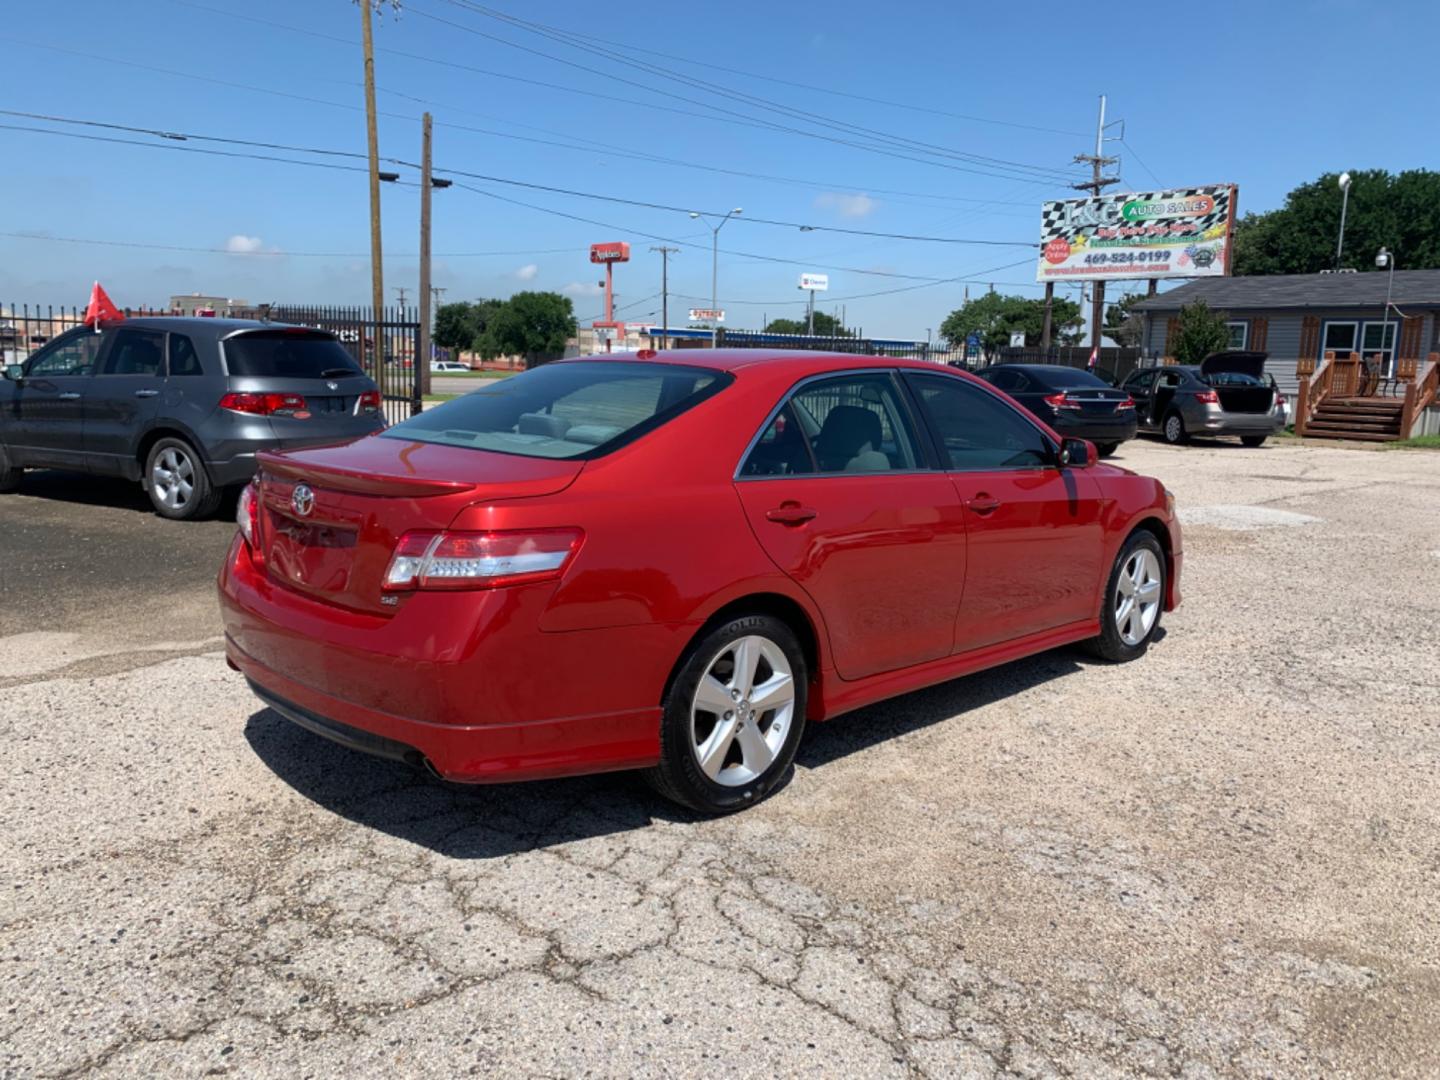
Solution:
(1049, 305)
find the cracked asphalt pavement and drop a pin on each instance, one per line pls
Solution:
(1222, 860)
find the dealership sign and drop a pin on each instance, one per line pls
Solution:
(815, 282)
(1186, 232)
(700, 314)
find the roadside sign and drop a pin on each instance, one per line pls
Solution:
(710, 315)
(616, 251)
(1017, 339)
(815, 282)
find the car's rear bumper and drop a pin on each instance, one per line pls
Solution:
(477, 699)
(232, 457)
(1096, 429)
(1216, 422)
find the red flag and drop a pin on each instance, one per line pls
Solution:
(100, 308)
(1094, 356)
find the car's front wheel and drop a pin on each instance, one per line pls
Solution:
(177, 483)
(733, 716)
(1106, 449)
(1253, 440)
(1173, 429)
(1134, 600)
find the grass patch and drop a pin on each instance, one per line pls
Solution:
(440, 399)
(473, 374)
(1420, 442)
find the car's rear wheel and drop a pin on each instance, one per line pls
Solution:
(1106, 449)
(1253, 440)
(177, 483)
(1173, 429)
(1134, 600)
(733, 716)
(9, 475)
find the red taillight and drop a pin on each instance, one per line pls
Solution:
(479, 560)
(370, 401)
(1060, 401)
(1128, 403)
(265, 404)
(1279, 399)
(1208, 397)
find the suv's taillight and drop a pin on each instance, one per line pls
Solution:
(1060, 401)
(369, 401)
(266, 404)
(1208, 397)
(479, 560)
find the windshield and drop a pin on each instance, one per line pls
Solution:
(570, 410)
(288, 354)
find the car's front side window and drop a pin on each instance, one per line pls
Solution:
(977, 429)
(69, 356)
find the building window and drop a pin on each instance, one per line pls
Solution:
(1239, 333)
(1379, 337)
(1368, 338)
(1339, 338)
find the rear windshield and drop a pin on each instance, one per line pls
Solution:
(1063, 378)
(571, 410)
(288, 354)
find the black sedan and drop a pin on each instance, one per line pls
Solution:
(1072, 401)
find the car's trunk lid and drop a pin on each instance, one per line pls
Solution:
(334, 540)
(1096, 400)
(1237, 361)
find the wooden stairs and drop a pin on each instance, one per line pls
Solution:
(1372, 419)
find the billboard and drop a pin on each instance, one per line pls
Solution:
(1185, 232)
(815, 282)
(710, 315)
(613, 252)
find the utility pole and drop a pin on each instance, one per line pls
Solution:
(377, 279)
(422, 362)
(437, 293)
(400, 291)
(1049, 303)
(665, 253)
(1095, 185)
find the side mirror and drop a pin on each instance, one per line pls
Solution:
(1076, 454)
(15, 372)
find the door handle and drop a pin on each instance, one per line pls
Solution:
(791, 514)
(147, 393)
(984, 504)
(69, 395)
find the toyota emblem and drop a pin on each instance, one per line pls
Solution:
(302, 500)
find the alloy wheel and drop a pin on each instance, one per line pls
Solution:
(743, 707)
(172, 478)
(1174, 428)
(1137, 596)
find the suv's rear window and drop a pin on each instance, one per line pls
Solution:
(288, 354)
(570, 410)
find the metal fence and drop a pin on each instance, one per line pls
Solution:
(1113, 363)
(385, 348)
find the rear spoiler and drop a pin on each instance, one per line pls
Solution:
(275, 463)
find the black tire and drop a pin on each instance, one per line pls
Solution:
(679, 776)
(1106, 449)
(203, 498)
(9, 476)
(1111, 644)
(1253, 440)
(1172, 429)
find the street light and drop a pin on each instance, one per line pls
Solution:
(1383, 261)
(1344, 206)
(715, 268)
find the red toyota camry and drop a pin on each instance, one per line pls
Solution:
(672, 562)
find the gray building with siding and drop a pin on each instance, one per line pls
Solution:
(1291, 316)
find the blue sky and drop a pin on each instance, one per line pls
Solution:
(1001, 97)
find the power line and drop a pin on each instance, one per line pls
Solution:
(1140, 161)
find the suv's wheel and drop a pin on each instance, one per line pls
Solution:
(1253, 440)
(176, 480)
(733, 716)
(1173, 429)
(1134, 600)
(1105, 449)
(9, 476)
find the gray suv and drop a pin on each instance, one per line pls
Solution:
(182, 405)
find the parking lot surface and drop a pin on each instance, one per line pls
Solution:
(1220, 860)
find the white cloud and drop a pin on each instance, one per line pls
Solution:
(583, 288)
(527, 272)
(846, 205)
(240, 244)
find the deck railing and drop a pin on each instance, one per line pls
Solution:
(1420, 393)
(1313, 388)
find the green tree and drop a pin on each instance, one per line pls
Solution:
(1199, 332)
(1123, 324)
(1400, 211)
(825, 326)
(995, 316)
(535, 325)
(455, 326)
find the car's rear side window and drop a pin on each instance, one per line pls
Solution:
(135, 352)
(183, 358)
(288, 354)
(570, 410)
